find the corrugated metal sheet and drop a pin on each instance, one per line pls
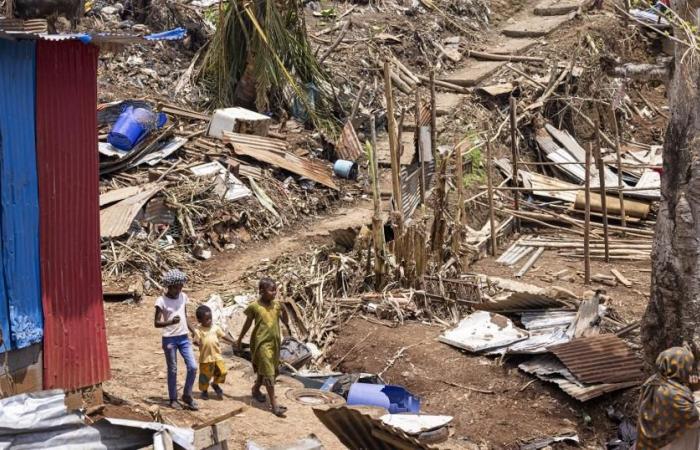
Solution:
(75, 342)
(548, 368)
(19, 217)
(115, 220)
(521, 301)
(359, 431)
(600, 359)
(349, 147)
(10, 33)
(273, 151)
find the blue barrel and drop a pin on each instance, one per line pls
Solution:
(132, 125)
(395, 399)
(345, 169)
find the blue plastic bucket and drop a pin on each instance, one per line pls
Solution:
(132, 125)
(395, 399)
(345, 169)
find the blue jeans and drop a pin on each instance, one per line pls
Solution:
(171, 345)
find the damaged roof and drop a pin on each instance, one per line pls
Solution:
(600, 359)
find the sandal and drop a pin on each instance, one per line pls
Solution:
(189, 403)
(218, 391)
(174, 404)
(280, 411)
(259, 397)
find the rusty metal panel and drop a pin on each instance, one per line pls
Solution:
(521, 301)
(75, 341)
(274, 152)
(359, 429)
(548, 368)
(349, 147)
(600, 359)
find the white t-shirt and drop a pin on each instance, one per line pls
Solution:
(171, 308)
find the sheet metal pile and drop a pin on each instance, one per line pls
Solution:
(561, 334)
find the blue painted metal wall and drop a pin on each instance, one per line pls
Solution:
(20, 290)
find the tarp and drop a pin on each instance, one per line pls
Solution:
(20, 291)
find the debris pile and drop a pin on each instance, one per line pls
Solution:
(180, 194)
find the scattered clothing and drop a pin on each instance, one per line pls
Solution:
(266, 338)
(174, 277)
(667, 408)
(171, 345)
(172, 307)
(212, 372)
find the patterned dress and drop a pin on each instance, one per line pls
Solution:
(266, 338)
(667, 407)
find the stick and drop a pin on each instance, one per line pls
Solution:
(489, 181)
(393, 144)
(406, 71)
(400, 84)
(587, 227)
(351, 350)
(509, 58)
(395, 358)
(356, 104)
(533, 259)
(603, 195)
(514, 155)
(621, 278)
(433, 114)
(420, 149)
(620, 183)
(377, 226)
(468, 388)
(444, 84)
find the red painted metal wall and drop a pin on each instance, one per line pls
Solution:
(75, 341)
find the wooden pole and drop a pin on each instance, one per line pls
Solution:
(419, 146)
(603, 196)
(393, 144)
(460, 217)
(356, 103)
(433, 115)
(587, 220)
(489, 181)
(620, 183)
(514, 155)
(377, 225)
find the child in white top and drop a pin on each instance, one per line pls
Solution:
(171, 316)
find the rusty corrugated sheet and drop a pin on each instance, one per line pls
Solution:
(75, 341)
(348, 146)
(27, 26)
(274, 152)
(548, 368)
(358, 430)
(425, 116)
(521, 301)
(600, 359)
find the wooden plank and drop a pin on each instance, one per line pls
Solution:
(217, 431)
(621, 278)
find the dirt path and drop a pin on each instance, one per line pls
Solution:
(138, 369)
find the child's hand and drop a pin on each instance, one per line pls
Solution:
(175, 320)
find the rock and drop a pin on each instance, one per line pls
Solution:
(109, 11)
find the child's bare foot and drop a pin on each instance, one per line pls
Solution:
(259, 396)
(219, 392)
(279, 410)
(204, 395)
(174, 404)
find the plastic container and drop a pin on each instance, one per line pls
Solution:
(132, 126)
(345, 169)
(394, 399)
